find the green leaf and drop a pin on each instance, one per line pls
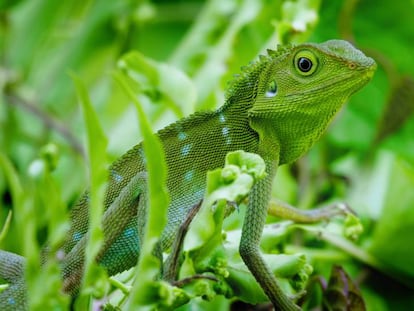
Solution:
(5, 227)
(159, 87)
(146, 292)
(391, 239)
(96, 151)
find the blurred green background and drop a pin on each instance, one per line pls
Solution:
(190, 49)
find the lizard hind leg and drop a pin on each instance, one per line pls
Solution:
(120, 248)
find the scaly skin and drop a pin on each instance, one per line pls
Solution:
(278, 107)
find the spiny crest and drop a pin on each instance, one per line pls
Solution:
(280, 50)
(253, 68)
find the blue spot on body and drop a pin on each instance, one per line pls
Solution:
(222, 118)
(188, 175)
(181, 136)
(77, 236)
(130, 232)
(11, 301)
(186, 150)
(116, 177)
(225, 131)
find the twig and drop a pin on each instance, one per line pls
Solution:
(49, 121)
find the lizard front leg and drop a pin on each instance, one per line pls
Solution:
(253, 225)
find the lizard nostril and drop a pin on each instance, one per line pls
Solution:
(352, 66)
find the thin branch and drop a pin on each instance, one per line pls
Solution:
(49, 122)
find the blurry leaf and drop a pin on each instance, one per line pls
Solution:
(391, 239)
(96, 151)
(146, 292)
(5, 227)
(397, 123)
(298, 18)
(163, 86)
(6, 5)
(398, 109)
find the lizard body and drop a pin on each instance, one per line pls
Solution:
(278, 107)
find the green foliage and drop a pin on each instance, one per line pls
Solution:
(398, 204)
(145, 291)
(171, 58)
(96, 151)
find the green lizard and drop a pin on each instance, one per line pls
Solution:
(277, 107)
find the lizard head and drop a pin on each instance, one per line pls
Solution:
(301, 89)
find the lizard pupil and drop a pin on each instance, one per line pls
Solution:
(304, 64)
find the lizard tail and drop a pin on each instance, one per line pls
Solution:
(12, 271)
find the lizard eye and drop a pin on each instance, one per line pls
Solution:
(305, 62)
(271, 89)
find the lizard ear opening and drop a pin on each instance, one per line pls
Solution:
(305, 62)
(271, 90)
